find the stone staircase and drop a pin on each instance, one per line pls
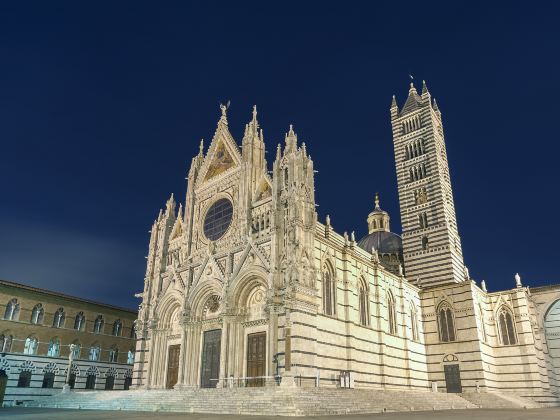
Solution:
(263, 401)
(543, 399)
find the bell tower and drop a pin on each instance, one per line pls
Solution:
(431, 242)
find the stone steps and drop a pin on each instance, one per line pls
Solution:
(265, 401)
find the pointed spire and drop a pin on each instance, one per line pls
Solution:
(291, 140)
(170, 205)
(424, 88)
(436, 108)
(254, 113)
(180, 212)
(412, 89)
(279, 152)
(394, 102)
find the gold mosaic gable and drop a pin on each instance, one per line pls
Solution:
(221, 161)
(264, 191)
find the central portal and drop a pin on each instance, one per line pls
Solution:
(256, 358)
(210, 369)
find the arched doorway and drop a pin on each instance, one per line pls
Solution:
(3, 383)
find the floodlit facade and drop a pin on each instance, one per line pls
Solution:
(245, 287)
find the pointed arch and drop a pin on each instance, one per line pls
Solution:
(446, 322)
(414, 322)
(391, 313)
(37, 314)
(506, 326)
(363, 302)
(329, 289)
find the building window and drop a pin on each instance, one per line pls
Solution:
(98, 324)
(127, 382)
(286, 180)
(77, 350)
(113, 355)
(48, 380)
(12, 310)
(329, 287)
(117, 328)
(72, 380)
(5, 342)
(132, 331)
(80, 322)
(109, 382)
(37, 314)
(446, 323)
(59, 317)
(54, 348)
(94, 353)
(31, 345)
(391, 314)
(414, 322)
(423, 220)
(424, 243)
(90, 381)
(506, 325)
(130, 357)
(24, 379)
(363, 302)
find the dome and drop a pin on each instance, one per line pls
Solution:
(384, 242)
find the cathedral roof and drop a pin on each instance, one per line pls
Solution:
(383, 242)
(412, 102)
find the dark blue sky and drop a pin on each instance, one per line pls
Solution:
(102, 106)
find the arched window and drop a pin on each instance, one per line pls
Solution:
(391, 313)
(80, 322)
(98, 324)
(329, 291)
(109, 382)
(286, 180)
(113, 355)
(5, 342)
(37, 314)
(24, 379)
(77, 349)
(414, 322)
(94, 352)
(59, 317)
(12, 310)
(54, 348)
(130, 357)
(424, 243)
(30, 346)
(132, 332)
(48, 380)
(363, 300)
(117, 328)
(507, 327)
(446, 323)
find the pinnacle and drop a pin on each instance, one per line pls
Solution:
(424, 87)
(394, 102)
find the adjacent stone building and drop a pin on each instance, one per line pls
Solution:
(38, 326)
(245, 287)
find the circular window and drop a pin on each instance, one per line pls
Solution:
(218, 218)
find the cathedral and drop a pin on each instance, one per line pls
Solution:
(244, 285)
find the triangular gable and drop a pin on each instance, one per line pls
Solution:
(251, 249)
(222, 155)
(264, 190)
(177, 230)
(215, 270)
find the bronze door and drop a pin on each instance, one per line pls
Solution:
(210, 366)
(256, 358)
(453, 378)
(172, 366)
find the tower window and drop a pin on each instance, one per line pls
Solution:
(423, 220)
(424, 243)
(446, 323)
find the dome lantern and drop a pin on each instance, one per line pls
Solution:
(378, 219)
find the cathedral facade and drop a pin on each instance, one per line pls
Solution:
(246, 287)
